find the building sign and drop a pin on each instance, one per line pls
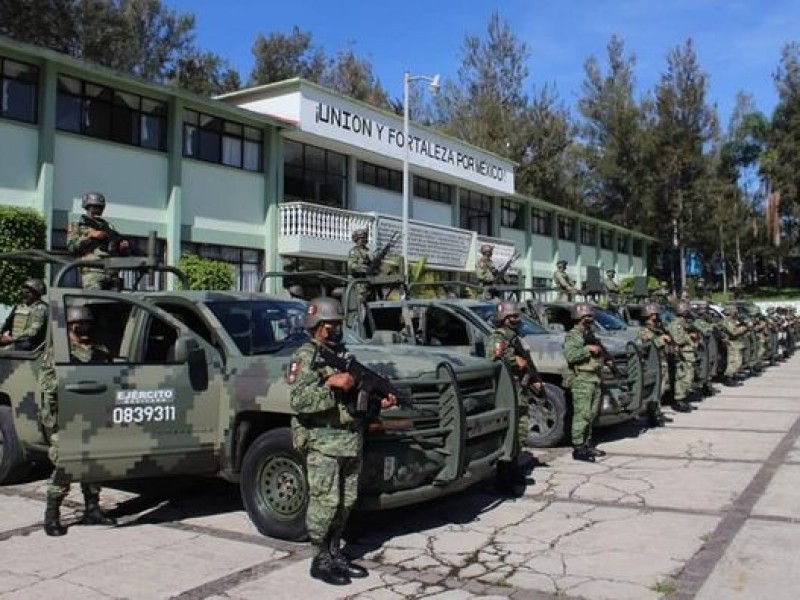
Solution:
(442, 247)
(353, 123)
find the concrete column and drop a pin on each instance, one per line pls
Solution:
(273, 196)
(527, 253)
(48, 92)
(174, 200)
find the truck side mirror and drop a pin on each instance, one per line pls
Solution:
(187, 351)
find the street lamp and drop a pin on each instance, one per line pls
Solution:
(434, 87)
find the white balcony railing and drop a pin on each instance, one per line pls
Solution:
(320, 231)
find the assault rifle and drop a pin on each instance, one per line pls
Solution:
(372, 387)
(377, 260)
(113, 241)
(531, 374)
(589, 337)
(500, 274)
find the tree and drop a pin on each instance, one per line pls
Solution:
(140, 37)
(279, 56)
(612, 138)
(488, 107)
(683, 128)
(353, 77)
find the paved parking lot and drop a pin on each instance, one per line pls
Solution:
(707, 507)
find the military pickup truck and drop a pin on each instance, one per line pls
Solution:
(197, 386)
(464, 324)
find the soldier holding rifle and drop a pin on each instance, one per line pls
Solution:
(565, 286)
(94, 238)
(326, 401)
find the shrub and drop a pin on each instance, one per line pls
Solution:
(20, 229)
(205, 274)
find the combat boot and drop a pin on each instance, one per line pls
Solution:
(93, 514)
(583, 453)
(322, 568)
(731, 381)
(342, 563)
(595, 450)
(52, 517)
(682, 406)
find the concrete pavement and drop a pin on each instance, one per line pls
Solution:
(706, 507)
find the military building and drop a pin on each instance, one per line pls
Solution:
(274, 177)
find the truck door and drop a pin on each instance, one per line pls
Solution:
(151, 410)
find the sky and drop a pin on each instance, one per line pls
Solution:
(738, 42)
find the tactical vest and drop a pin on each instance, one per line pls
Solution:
(22, 314)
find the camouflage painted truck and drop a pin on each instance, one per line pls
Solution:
(197, 387)
(463, 325)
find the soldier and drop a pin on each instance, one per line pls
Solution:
(706, 327)
(94, 238)
(26, 326)
(585, 363)
(685, 356)
(359, 260)
(612, 288)
(653, 331)
(83, 349)
(484, 269)
(735, 333)
(665, 294)
(504, 344)
(562, 282)
(332, 439)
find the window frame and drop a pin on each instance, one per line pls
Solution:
(31, 83)
(309, 184)
(512, 214)
(213, 139)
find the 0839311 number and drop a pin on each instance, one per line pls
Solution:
(142, 414)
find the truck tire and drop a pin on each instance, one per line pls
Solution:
(548, 418)
(12, 460)
(273, 486)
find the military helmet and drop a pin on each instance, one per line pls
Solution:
(295, 290)
(651, 309)
(79, 313)
(581, 310)
(611, 272)
(358, 234)
(683, 308)
(486, 248)
(561, 262)
(323, 309)
(93, 199)
(507, 309)
(36, 285)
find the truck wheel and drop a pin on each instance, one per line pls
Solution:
(273, 486)
(548, 418)
(12, 460)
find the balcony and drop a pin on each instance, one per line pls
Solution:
(318, 231)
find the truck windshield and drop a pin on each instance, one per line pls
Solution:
(262, 326)
(527, 326)
(608, 321)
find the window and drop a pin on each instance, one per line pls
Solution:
(109, 114)
(541, 222)
(216, 140)
(475, 212)
(637, 247)
(432, 190)
(511, 214)
(19, 90)
(378, 176)
(245, 261)
(588, 234)
(606, 239)
(566, 228)
(312, 174)
(622, 243)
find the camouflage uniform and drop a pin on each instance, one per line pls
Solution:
(484, 270)
(685, 358)
(333, 446)
(564, 285)
(27, 325)
(654, 333)
(358, 261)
(81, 245)
(584, 384)
(735, 332)
(612, 289)
(58, 486)
(499, 347)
